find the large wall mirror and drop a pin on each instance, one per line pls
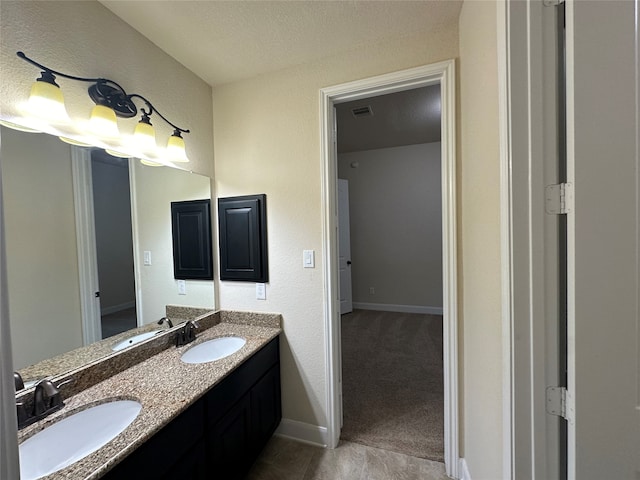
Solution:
(50, 189)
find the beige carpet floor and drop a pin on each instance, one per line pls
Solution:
(393, 382)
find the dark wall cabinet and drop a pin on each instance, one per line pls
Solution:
(191, 233)
(220, 435)
(242, 228)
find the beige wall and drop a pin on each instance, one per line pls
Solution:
(85, 39)
(267, 140)
(154, 190)
(479, 182)
(395, 205)
(42, 258)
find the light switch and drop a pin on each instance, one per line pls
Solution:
(261, 291)
(182, 287)
(308, 259)
(147, 257)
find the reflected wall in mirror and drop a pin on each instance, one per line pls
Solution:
(41, 222)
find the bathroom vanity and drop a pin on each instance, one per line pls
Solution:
(221, 434)
(202, 420)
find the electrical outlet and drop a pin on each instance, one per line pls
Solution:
(182, 287)
(372, 291)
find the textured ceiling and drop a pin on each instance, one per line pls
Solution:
(226, 41)
(403, 118)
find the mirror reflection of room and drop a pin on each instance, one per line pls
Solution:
(130, 210)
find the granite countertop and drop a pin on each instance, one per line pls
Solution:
(78, 357)
(164, 385)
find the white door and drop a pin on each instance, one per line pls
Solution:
(344, 247)
(603, 239)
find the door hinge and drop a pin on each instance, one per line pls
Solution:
(560, 403)
(558, 199)
(552, 3)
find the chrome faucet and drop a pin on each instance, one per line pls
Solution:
(165, 319)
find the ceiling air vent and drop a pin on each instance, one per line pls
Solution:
(362, 111)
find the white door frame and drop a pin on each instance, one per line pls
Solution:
(442, 73)
(530, 435)
(86, 244)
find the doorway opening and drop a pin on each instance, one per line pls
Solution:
(390, 261)
(441, 74)
(114, 242)
(101, 240)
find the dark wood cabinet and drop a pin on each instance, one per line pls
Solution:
(221, 434)
(242, 231)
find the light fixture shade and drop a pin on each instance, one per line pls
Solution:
(18, 127)
(73, 141)
(149, 163)
(46, 102)
(117, 153)
(144, 137)
(103, 122)
(176, 151)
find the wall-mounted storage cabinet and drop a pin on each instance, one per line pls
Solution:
(220, 435)
(243, 238)
(191, 231)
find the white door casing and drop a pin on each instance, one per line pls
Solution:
(344, 248)
(529, 133)
(86, 240)
(444, 74)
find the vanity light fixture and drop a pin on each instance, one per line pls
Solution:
(46, 105)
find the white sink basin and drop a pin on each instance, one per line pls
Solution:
(74, 437)
(213, 350)
(127, 342)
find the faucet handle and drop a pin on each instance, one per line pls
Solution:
(21, 412)
(18, 382)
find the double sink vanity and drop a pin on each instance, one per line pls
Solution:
(156, 410)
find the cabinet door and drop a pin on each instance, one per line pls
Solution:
(162, 452)
(230, 446)
(192, 465)
(266, 410)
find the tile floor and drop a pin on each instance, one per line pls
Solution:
(284, 459)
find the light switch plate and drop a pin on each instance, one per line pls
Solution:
(308, 259)
(182, 287)
(261, 291)
(147, 257)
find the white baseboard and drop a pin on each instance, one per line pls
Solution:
(464, 470)
(386, 307)
(117, 308)
(302, 432)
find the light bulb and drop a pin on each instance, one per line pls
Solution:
(176, 148)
